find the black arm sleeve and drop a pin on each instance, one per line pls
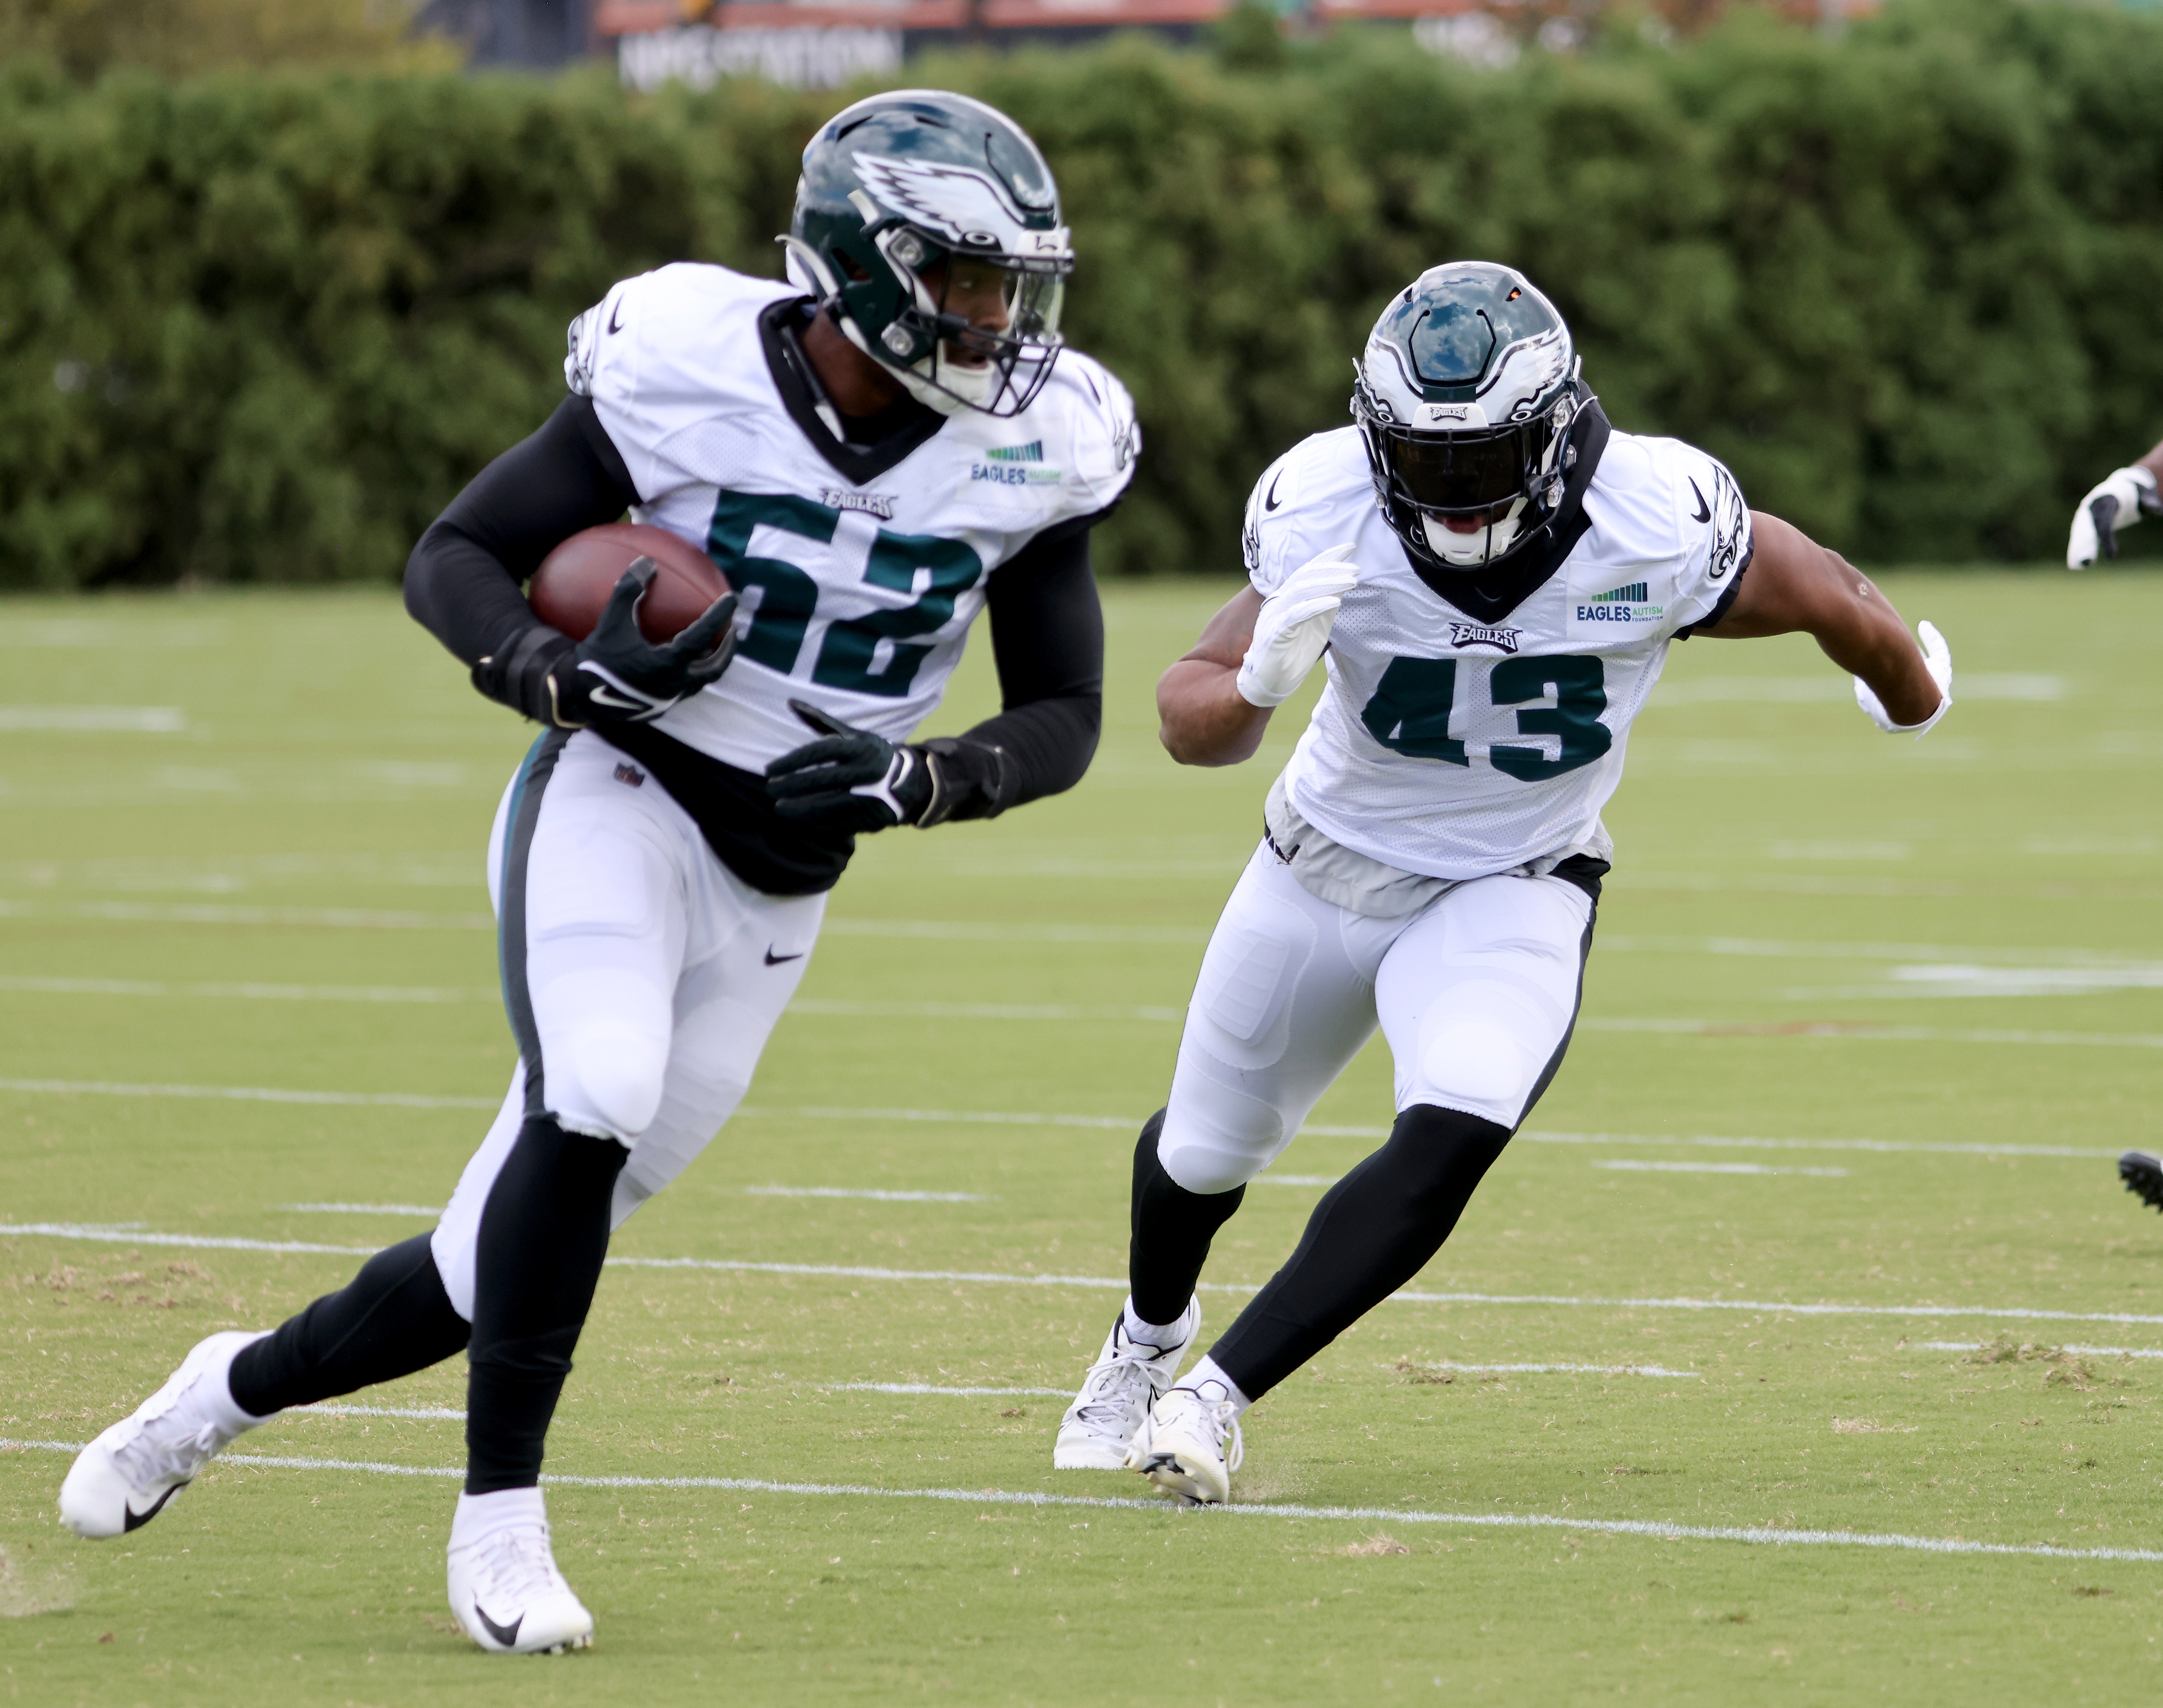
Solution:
(463, 581)
(1048, 641)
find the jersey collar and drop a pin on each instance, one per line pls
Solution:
(1488, 595)
(858, 464)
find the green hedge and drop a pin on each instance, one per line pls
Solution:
(1907, 283)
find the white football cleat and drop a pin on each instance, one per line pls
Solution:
(1126, 1379)
(510, 1597)
(123, 1479)
(1190, 1447)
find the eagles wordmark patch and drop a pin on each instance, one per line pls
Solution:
(1479, 635)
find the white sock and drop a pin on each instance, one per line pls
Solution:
(481, 1515)
(1208, 1380)
(1155, 1333)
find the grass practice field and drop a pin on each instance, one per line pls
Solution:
(1818, 1231)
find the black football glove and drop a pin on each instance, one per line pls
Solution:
(849, 779)
(615, 675)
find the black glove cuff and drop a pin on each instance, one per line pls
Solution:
(515, 674)
(969, 780)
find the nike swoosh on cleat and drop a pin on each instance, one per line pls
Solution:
(1703, 509)
(136, 1520)
(774, 960)
(507, 1635)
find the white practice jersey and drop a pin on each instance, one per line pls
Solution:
(1454, 748)
(856, 598)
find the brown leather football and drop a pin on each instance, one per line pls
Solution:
(574, 581)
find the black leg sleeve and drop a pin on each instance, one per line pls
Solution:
(1172, 1228)
(392, 1319)
(543, 1234)
(1372, 1231)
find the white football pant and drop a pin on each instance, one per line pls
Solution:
(1476, 993)
(641, 974)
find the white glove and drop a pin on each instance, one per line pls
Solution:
(1294, 625)
(2130, 492)
(1938, 660)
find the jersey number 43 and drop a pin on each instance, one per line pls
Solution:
(1412, 705)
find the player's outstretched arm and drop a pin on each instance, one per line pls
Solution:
(1204, 719)
(1794, 586)
(2118, 501)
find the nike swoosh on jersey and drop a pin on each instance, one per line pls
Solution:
(774, 960)
(1703, 509)
(507, 1635)
(615, 325)
(1270, 500)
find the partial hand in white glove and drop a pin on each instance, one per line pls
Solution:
(2116, 504)
(1938, 660)
(1294, 625)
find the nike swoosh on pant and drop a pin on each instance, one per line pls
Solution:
(774, 960)
(507, 1635)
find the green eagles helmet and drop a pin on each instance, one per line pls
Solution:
(1466, 396)
(903, 195)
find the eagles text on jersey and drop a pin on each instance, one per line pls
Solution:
(1456, 748)
(857, 596)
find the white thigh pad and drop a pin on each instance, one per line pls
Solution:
(1283, 1002)
(1479, 994)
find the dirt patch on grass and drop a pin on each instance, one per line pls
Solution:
(29, 1587)
(1374, 1546)
(1863, 1426)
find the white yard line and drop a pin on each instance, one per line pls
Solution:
(1654, 1529)
(1635, 1370)
(926, 1388)
(93, 720)
(1643, 1167)
(246, 1094)
(31, 985)
(1862, 1031)
(980, 1011)
(368, 1209)
(2080, 1351)
(433, 1413)
(877, 1193)
(127, 1236)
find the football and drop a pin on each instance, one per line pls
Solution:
(574, 582)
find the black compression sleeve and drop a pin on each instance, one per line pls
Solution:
(1048, 641)
(463, 581)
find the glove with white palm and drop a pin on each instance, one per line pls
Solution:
(2118, 503)
(1293, 627)
(1938, 660)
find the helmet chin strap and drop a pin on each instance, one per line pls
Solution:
(1473, 550)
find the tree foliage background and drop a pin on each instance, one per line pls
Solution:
(1905, 283)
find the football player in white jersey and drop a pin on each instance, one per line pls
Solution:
(2118, 501)
(1496, 576)
(873, 452)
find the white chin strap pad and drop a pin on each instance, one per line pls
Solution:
(1471, 550)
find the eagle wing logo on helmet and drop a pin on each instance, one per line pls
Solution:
(951, 202)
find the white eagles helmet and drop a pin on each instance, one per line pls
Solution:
(1466, 395)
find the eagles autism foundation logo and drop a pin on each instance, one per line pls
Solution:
(1626, 604)
(1015, 465)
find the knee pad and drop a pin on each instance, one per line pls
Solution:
(608, 1077)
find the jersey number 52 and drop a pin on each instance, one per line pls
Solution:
(849, 657)
(1410, 710)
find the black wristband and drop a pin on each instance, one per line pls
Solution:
(969, 780)
(516, 672)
